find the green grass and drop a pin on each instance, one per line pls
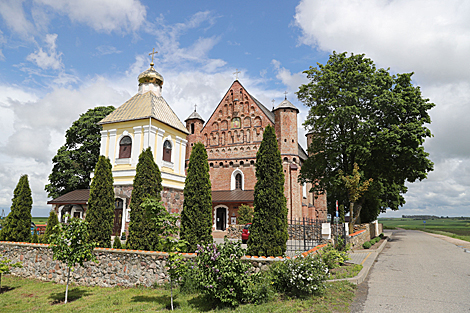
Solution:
(29, 295)
(344, 271)
(452, 227)
(39, 220)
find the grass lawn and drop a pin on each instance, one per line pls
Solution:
(39, 220)
(452, 227)
(28, 295)
(348, 270)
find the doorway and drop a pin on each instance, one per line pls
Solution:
(221, 216)
(118, 206)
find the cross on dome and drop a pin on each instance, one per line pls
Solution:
(152, 53)
(285, 95)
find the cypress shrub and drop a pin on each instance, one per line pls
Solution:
(245, 214)
(117, 243)
(147, 184)
(100, 212)
(268, 234)
(52, 221)
(17, 225)
(196, 217)
(35, 237)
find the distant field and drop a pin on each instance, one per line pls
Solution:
(447, 226)
(39, 220)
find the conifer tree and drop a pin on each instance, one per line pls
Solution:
(100, 212)
(196, 217)
(17, 225)
(147, 184)
(268, 233)
(51, 222)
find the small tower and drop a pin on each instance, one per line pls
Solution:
(194, 124)
(151, 80)
(285, 117)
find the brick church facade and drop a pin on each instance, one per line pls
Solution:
(232, 137)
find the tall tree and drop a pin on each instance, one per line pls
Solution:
(51, 222)
(76, 159)
(17, 225)
(196, 217)
(268, 233)
(360, 114)
(100, 212)
(147, 184)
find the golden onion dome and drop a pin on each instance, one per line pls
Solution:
(151, 76)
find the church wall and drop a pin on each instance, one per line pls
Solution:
(286, 131)
(221, 177)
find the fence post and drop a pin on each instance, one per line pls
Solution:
(305, 243)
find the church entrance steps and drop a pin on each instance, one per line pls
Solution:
(219, 234)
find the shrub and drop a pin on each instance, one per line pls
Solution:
(117, 243)
(381, 235)
(366, 245)
(51, 222)
(245, 214)
(332, 257)
(221, 275)
(35, 237)
(299, 277)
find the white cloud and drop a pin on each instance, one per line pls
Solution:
(50, 58)
(105, 50)
(430, 38)
(102, 15)
(14, 16)
(292, 81)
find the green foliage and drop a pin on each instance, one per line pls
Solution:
(17, 225)
(76, 159)
(268, 234)
(100, 212)
(147, 184)
(300, 276)
(366, 245)
(196, 217)
(221, 274)
(117, 243)
(52, 221)
(245, 214)
(69, 245)
(5, 267)
(35, 237)
(381, 235)
(360, 114)
(341, 214)
(332, 257)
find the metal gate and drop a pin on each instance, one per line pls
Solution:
(304, 234)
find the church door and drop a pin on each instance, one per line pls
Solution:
(220, 219)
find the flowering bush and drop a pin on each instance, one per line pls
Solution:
(300, 276)
(221, 275)
(332, 257)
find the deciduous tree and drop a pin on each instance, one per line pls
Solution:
(196, 217)
(364, 115)
(100, 212)
(76, 159)
(17, 225)
(268, 233)
(147, 184)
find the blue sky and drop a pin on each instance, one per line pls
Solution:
(59, 58)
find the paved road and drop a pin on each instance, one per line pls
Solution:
(417, 272)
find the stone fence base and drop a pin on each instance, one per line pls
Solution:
(364, 232)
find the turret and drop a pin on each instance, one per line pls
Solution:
(194, 124)
(285, 117)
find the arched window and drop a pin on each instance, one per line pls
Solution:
(125, 147)
(167, 151)
(238, 181)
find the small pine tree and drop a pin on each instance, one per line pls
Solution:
(51, 222)
(17, 225)
(268, 234)
(245, 214)
(117, 243)
(35, 237)
(100, 212)
(147, 184)
(196, 217)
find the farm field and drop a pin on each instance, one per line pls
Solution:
(452, 227)
(29, 295)
(39, 220)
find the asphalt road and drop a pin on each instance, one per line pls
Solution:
(416, 273)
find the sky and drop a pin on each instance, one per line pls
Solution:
(59, 58)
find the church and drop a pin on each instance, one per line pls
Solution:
(232, 137)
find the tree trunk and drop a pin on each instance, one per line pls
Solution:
(171, 288)
(67, 287)
(351, 220)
